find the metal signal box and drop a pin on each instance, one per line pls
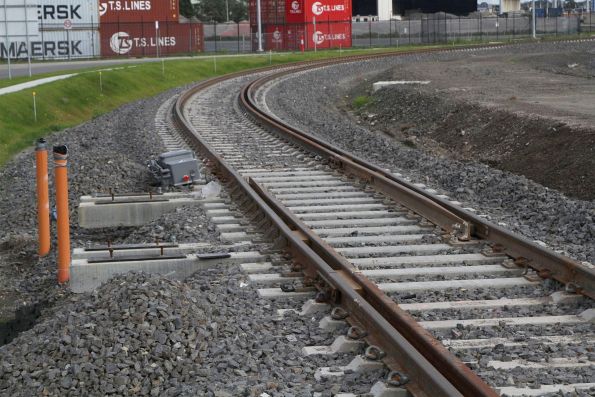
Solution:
(175, 168)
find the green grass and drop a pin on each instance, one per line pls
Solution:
(72, 101)
(69, 102)
(360, 101)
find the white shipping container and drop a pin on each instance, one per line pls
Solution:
(81, 14)
(56, 44)
(20, 18)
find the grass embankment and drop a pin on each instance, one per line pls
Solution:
(69, 102)
(72, 101)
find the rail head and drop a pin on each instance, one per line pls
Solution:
(461, 223)
(427, 380)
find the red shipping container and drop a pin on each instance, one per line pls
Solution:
(271, 12)
(327, 10)
(275, 38)
(140, 39)
(138, 10)
(295, 11)
(328, 35)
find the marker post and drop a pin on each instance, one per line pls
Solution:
(34, 107)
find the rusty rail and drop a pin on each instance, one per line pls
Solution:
(426, 379)
(433, 369)
(465, 380)
(464, 224)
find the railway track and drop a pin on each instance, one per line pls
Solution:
(428, 289)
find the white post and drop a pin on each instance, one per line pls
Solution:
(34, 107)
(100, 83)
(534, 23)
(315, 35)
(270, 57)
(27, 37)
(162, 67)
(259, 23)
(215, 64)
(7, 42)
(157, 38)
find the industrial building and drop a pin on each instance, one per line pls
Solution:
(385, 9)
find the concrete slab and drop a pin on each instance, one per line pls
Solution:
(446, 271)
(426, 260)
(447, 284)
(502, 321)
(346, 214)
(317, 195)
(381, 84)
(97, 212)
(393, 249)
(336, 208)
(544, 389)
(362, 223)
(330, 201)
(85, 276)
(469, 344)
(475, 304)
(149, 250)
(367, 231)
(391, 238)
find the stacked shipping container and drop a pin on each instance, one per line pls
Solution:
(67, 29)
(286, 23)
(146, 27)
(91, 28)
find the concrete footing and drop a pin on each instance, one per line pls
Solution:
(86, 274)
(133, 210)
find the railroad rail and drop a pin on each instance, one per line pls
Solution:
(412, 351)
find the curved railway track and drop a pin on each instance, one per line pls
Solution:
(397, 262)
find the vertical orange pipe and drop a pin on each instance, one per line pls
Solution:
(61, 162)
(43, 200)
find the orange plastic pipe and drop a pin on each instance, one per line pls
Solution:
(43, 200)
(61, 163)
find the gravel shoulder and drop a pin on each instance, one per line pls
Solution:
(109, 151)
(527, 207)
(530, 114)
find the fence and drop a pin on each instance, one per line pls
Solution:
(237, 38)
(121, 39)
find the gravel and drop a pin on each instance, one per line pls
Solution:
(211, 336)
(525, 207)
(109, 151)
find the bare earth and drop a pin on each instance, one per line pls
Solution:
(531, 114)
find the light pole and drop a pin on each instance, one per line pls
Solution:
(533, 22)
(7, 40)
(259, 23)
(227, 10)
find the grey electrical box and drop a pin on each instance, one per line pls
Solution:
(175, 168)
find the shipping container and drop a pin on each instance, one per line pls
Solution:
(306, 10)
(57, 44)
(271, 11)
(142, 39)
(295, 11)
(78, 14)
(322, 35)
(328, 35)
(19, 21)
(138, 10)
(332, 10)
(275, 38)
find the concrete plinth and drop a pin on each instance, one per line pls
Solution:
(86, 275)
(97, 212)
